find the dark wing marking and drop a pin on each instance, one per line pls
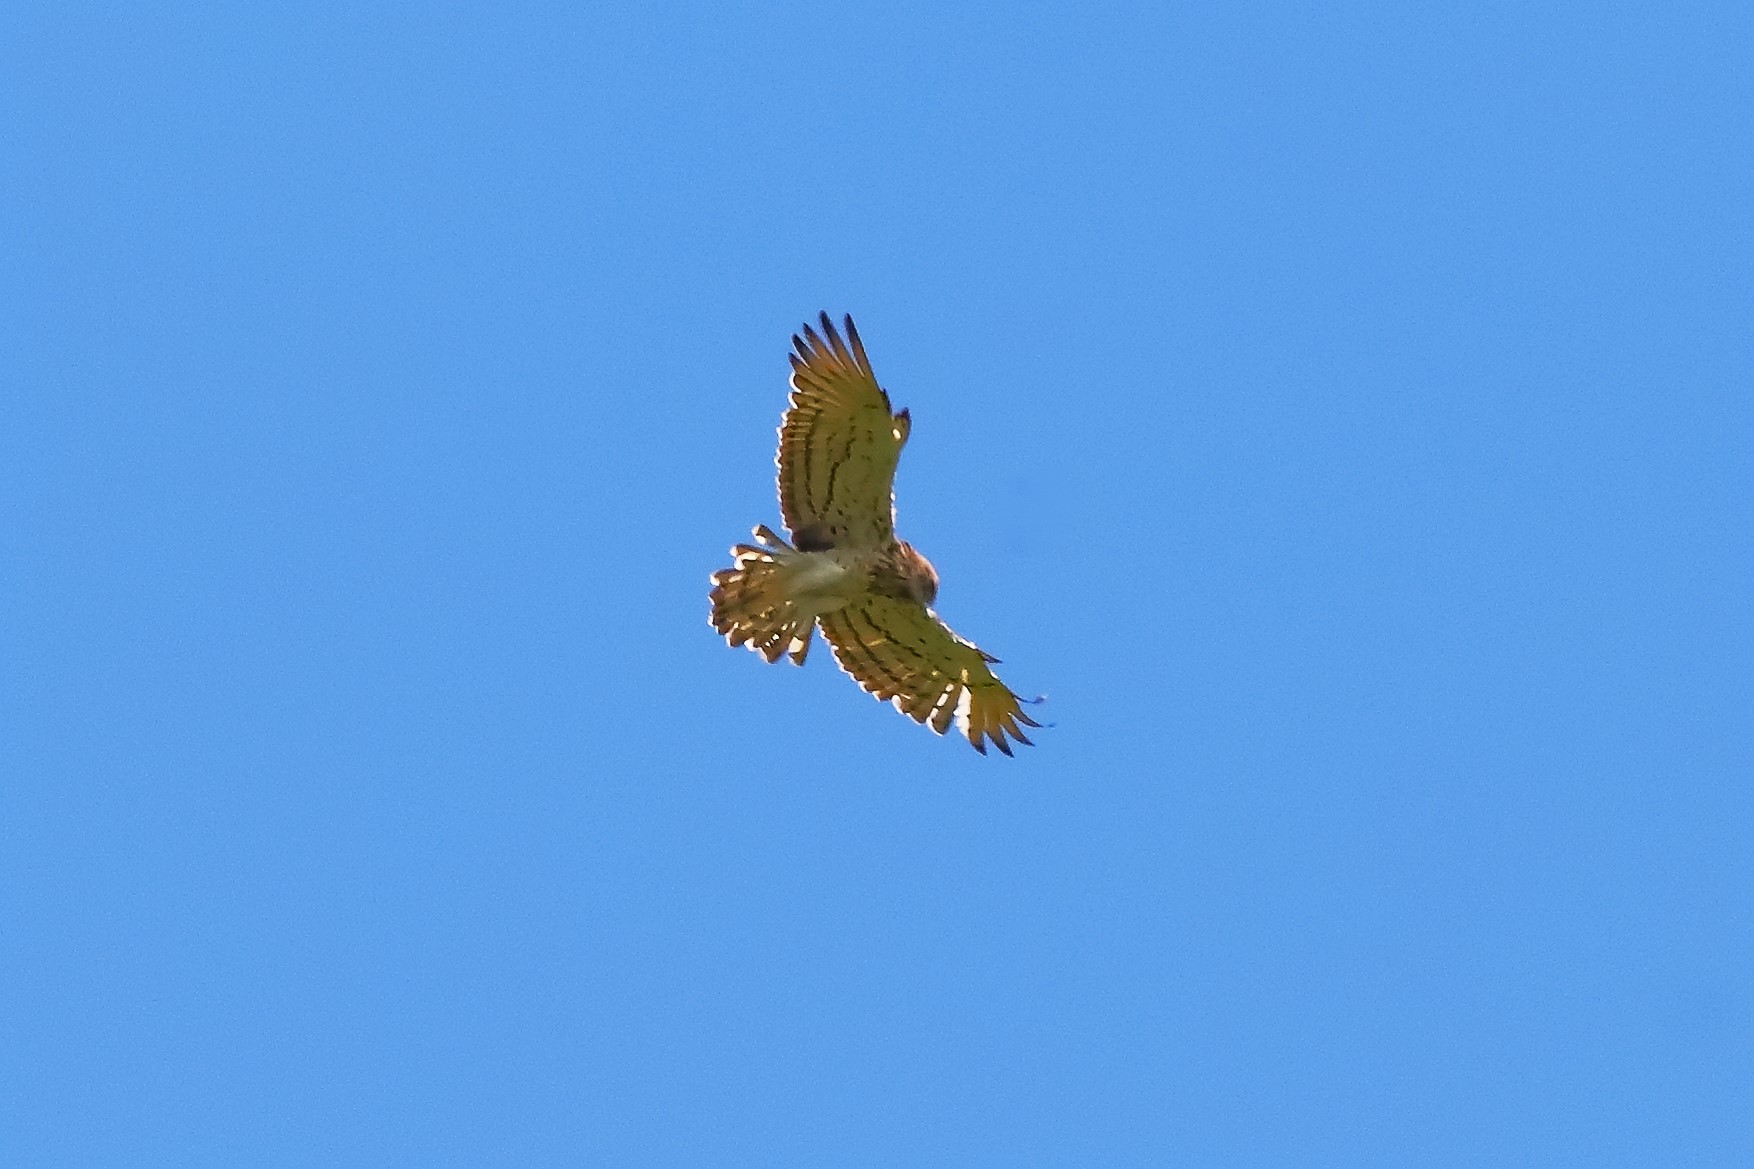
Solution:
(839, 442)
(901, 652)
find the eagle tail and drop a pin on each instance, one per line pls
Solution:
(752, 606)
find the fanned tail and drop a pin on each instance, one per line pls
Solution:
(750, 603)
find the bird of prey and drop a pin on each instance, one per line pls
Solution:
(845, 570)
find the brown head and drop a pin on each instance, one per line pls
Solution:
(920, 578)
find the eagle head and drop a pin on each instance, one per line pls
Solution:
(921, 578)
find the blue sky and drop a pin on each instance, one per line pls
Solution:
(1340, 412)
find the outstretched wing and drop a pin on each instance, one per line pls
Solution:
(901, 652)
(838, 445)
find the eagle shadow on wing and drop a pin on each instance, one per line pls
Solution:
(844, 570)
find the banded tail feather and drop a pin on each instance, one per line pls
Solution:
(751, 603)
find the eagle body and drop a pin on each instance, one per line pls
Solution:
(844, 570)
(834, 577)
(825, 580)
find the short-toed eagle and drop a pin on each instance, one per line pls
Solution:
(844, 569)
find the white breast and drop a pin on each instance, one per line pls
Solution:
(821, 581)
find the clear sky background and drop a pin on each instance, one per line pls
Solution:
(1340, 412)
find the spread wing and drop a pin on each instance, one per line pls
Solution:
(901, 652)
(838, 444)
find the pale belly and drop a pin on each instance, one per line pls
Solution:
(824, 581)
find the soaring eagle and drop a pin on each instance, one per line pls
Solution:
(845, 570)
